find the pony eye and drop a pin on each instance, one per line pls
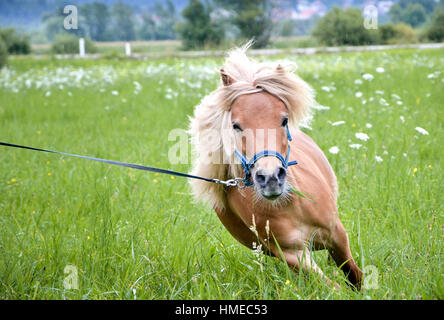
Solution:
(236, 127)
(285, 122)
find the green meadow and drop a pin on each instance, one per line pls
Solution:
(129, 234)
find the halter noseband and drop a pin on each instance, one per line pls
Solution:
(247, 165)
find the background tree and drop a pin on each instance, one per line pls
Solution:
(122, 22)
(198, 30)
(291, 27)
(3, 53)
(412, 12)
(167, 18)
(340, 27)
(147, 30)
(428, 5)
(435, 32)
(15, 43)
(395, 13)
(96, 17)
(414, 15)
(252, 17)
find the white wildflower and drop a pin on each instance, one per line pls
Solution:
(358, 94)
(334, 150)
(114, 93)
(380, 70)
(402, 119)
(378, 159)
(368, 125)
(137, 85)
(362, 136)
(319, 107)
(383, 102)
(355, 146)
(368, 77)
(422, 131)
(337, 123)
(358, 81)
(326, 89)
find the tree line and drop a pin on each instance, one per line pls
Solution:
(118, 22)
(200, 23)
(410, 21)
(207, 23)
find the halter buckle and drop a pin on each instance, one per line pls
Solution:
(236, 182)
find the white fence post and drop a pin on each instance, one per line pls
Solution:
(82, 47)
(127, 49)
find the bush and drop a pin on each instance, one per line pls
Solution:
(198, 30)
(387, 32)
(69, 44)
(404, 33)
(397, 33)
(3, 53)
(252, 18)
(15, 43)
(436, 30)
(340, 27)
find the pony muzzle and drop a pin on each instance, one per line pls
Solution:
(270, 183)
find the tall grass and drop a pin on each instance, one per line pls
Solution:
(137, 235)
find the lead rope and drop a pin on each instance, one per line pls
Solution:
(236, 182)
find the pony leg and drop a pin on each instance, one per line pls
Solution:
(301, 259)
(236, 227)
(341, 254)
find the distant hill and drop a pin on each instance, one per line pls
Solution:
(26, 14)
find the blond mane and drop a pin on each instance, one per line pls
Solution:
(210, 125)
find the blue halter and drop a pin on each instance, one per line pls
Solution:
(265, 153)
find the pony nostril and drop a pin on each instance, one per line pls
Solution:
(281, 174)
(261, 179)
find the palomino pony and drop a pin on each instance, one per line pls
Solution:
(263, 103)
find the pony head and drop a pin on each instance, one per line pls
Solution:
(248, 112)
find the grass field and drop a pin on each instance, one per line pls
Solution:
(137, 235)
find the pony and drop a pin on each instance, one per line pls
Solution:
(263, 103)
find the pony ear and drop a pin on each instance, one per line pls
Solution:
(226, 79)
